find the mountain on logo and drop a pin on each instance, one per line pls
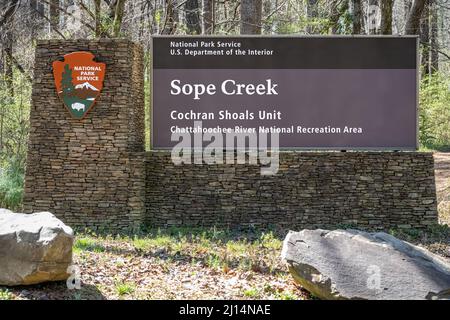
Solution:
(85, 91)
(86, 85)
(78, 97)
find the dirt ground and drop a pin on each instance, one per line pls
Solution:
(177, 265)
(204, 265)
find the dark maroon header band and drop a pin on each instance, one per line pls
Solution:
(330, 92)
(284, 52)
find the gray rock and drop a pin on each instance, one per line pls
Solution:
(34, 248)
(351, 264)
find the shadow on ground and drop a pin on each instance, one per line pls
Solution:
(54, 291)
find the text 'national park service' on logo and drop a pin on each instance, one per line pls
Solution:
(79, 81)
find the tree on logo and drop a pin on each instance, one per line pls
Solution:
(67, 86)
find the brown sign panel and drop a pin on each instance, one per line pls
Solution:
(79, 81)
(316, 92)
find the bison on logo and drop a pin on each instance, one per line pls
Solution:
(79, 81)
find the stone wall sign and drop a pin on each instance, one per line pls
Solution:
(95, 174)
(79, 81)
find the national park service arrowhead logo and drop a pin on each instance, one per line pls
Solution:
(79, 81)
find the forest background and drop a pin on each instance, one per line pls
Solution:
(22, 22)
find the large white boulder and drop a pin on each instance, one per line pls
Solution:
(34, 248)
(351, 264)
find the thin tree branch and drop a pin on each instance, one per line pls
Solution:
(434, 49)
(70, 14)
(18, 65)
(10, 11)
(83, 6)
(48, 20)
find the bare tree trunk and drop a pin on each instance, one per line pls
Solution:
(120, 6)
(312, 13)
(208, 16)
(337, 9)
(116, 11)
(192, 17)
(2, 115)
(54, 15)
(9, 74)
(18, 66)
(2, 63)
(98, 13)
(434, 45)
(267, 11)
(386, 16)
(357, 16)
(7, 23)
(169, 19)
(251, 13)
(425, 40)
(406, 7)
(176, 13)
(414, 15)
(334, 16)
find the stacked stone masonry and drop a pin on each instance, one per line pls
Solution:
(94, 173)
(370, 190)
(89, 172)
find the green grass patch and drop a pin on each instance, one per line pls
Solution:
(5, 294)
(150, 243)
(239, 247)
(434, 233)
(287, 296)
(252, 293)
(87, 244)
(11, 187)
(222, 250)
(125, 288)
(276, 293)
(270, 241)
(434, 113)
